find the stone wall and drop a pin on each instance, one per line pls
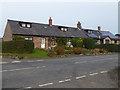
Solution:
(8, 33)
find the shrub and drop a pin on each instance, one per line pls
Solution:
(77, 42)
(89, 43)
(59, 50)
(68, 48)
(61, 41)
(68, 51)
(51, 54)
(18, 38)
(77, 51)
(92, 52)
(101, 51)
(17, 47)
(85, 51)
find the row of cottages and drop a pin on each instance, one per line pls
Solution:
(41, 33)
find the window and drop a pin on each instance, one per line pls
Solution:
(23, 25)
(106, 41)
(115, 41)
(65, 29)
(62, 29)
(28, 38)
(89, 31)
(28, 25)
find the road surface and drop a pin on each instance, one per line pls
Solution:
(69, 72)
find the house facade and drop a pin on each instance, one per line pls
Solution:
(44, 35)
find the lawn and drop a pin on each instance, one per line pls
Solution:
(37, 53)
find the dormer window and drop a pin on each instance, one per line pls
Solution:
(23, 25)
(65, 29)
(28, 25)
(89, 31)
(62, 29)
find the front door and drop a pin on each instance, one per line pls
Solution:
(42, 42)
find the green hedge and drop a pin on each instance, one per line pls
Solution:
(17, 47)
(109, 47)
(89, 43)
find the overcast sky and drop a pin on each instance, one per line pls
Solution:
(90, 14)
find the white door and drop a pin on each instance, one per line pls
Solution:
(42, 42)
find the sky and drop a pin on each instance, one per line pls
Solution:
(90, 14)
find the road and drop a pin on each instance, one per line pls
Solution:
(69, 72)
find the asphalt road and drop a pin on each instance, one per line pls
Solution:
(70, 72)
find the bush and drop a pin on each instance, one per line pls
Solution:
(93, 52)
(17, 47)
(59, 50)
(61, 41)
(68, 51)
(77, 51)
(51, 54)
(18, 38)
(68, 48)
(77, 42)
(85, 51)
(109, 47)
(89, 43)
(101, 51)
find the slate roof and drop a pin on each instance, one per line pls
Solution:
(100, 34)
(39, 29)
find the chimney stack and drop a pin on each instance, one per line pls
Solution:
(79, 25)
(99, 28)
(50, 21)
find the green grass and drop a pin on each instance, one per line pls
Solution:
(37, 53)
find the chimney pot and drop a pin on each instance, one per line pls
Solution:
(50, 21)
(79, 25)
(99, 28)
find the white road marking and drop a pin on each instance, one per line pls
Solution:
(40, 60)
(28, 87)
(61, 81)
(81, 77)
(42, 85)
(21, 69)
(66, 80)
(103, 71)
(3, 62)
(16, 61)
(92, 74)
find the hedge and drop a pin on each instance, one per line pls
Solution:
(89, 43)
(109, 47)
(17, 47)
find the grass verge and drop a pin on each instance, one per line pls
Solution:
(37, 53)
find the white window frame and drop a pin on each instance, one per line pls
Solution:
(28, 25)
(23, 25)
(62, 29)
(65, 29)
(28, 38)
